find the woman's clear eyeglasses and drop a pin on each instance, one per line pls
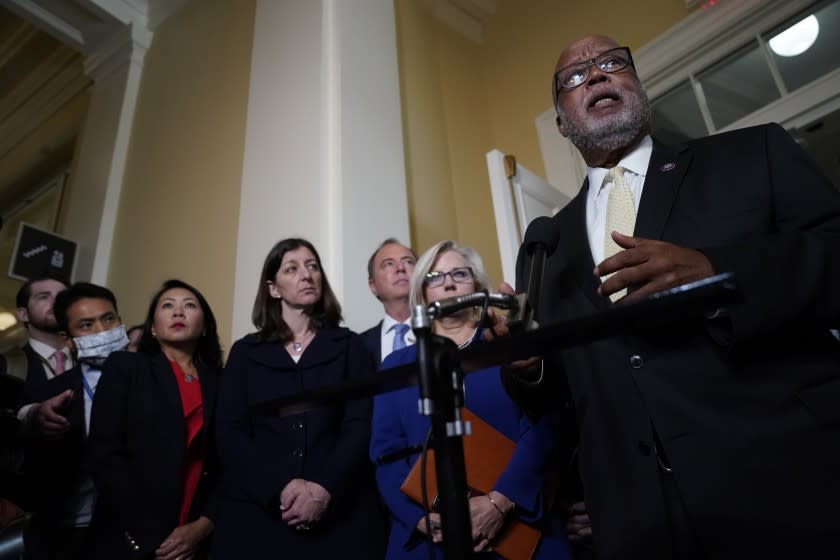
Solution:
(461, 275)
(573, 75)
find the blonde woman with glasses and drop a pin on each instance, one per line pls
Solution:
(449, 270)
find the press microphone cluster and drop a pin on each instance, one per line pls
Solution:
(540, 241)
(446, 307)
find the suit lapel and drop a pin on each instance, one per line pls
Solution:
(667, 168)
(208, 378)
(580, 257)
(165, 377)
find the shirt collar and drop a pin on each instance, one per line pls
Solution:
(45, 350)
(388, 323)
(636, 162)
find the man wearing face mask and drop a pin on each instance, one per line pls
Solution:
(56, 463)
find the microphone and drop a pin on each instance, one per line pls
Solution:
(448, 306)
(541, 240)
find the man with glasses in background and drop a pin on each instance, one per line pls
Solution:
(717, 436)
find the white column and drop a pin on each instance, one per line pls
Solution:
(323, 145)
(99, 164)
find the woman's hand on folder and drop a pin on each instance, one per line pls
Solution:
(488, 518)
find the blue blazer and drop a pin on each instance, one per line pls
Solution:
(397, 425)
(328, 445)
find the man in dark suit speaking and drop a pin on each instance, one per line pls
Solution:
(716, 437)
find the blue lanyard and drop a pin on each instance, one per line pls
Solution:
(87, 387)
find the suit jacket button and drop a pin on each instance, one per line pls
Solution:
(636, 361)
(645, 448)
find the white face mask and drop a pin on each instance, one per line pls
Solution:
(93, 349)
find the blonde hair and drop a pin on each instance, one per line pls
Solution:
(428, 258)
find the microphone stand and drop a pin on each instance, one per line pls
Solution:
(442, 399)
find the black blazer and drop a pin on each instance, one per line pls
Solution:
(35, 374)
(745, 408)
(54, 468)
(137, 449)
(372, 339)
(327, 445)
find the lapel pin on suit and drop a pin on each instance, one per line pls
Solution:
(668, 166)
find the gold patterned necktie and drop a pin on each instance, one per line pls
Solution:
(621, 215)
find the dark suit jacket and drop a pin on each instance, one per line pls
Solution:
(137, 449)
(35, 375)
(55, 468)
(327, 445)
(749, 421)
(372, 339)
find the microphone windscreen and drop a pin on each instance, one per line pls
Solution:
(541, 231)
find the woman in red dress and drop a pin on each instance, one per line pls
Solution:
(151, 438)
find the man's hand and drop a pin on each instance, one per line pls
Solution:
(496, 323)
(48, 416)
(181, 542)
(647, 266)
(578, 526)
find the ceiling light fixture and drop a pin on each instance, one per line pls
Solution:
(797, 38)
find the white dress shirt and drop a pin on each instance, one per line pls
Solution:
(386, 335)
(81, 511)
(635, 164)
(46, 351)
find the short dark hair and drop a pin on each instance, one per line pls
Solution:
(267, 315)
(389, 241)
(208, 352)
(25, 291)
(79, 290)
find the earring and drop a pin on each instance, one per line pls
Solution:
(154, 334)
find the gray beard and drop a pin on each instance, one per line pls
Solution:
(614, 133)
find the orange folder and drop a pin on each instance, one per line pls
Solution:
(486, 454)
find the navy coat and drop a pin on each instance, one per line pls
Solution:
(261, 454)
(372, 339)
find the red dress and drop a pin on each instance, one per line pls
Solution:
(193, 422)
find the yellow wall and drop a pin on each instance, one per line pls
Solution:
(462, 99)
(179, 206)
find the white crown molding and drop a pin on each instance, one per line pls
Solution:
(705, 36)
(117, 50)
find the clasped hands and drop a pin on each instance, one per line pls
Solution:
(486, 520)
(303, 503)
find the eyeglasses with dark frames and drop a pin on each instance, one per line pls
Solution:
(571, 76)
(460, 275)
